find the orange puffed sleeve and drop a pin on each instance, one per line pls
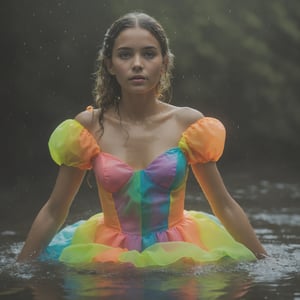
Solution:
(72, 145)
(203, 141)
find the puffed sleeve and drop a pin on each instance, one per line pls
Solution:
(203, 141)
(72, 145)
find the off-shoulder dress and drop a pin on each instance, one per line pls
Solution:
(143, 220)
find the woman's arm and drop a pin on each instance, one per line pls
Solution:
(53, 213)
(226, 208)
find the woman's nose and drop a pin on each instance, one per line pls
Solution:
(137, 62)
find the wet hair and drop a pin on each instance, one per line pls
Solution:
(107, 91)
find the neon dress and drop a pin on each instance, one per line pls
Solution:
(143, 220)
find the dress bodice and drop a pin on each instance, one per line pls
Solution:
(143, 202)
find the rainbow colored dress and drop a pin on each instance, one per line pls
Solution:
(143, 221)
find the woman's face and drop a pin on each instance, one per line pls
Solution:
(137, 61)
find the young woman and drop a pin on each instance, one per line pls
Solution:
(140, 149)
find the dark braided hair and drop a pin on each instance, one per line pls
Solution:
(107, 91)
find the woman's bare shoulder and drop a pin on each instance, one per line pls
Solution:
(187, 116)
(88, 118)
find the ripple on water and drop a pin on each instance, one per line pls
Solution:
(283, 262)
(279, 218)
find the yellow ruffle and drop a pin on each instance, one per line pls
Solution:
(217, 242)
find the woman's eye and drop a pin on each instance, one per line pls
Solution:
(124, 55)
(149, 54)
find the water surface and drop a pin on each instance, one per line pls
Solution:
(271, 201)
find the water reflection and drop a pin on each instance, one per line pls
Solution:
(208, 285)
(207, 282)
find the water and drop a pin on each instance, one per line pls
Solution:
(271, 201)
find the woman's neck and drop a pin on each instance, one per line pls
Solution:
(138, 108)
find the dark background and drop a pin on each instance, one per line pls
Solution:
(235, 60)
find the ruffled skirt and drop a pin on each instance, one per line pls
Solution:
(205, 241)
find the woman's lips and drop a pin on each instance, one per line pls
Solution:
(138, 78)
